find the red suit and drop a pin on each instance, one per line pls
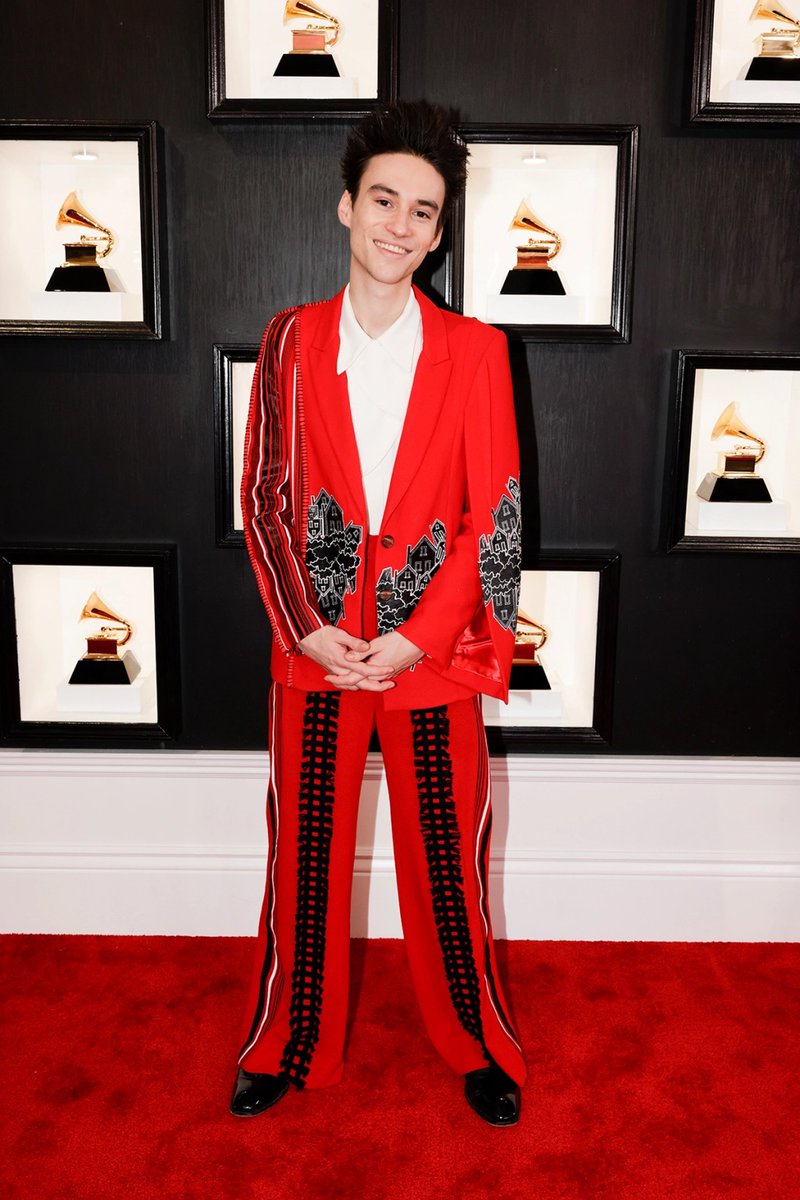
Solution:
(444, 570)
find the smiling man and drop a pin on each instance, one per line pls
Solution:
(381, 504)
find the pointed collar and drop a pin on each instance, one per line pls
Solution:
(399, 341)
(321, 321)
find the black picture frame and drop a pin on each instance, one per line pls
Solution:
(146, 137)
(701, 108)
(596, 735)
(683, 425)
(625, 139)
(228, 403)
(222, 107)
(15, 728)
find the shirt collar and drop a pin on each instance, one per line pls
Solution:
(399, 340)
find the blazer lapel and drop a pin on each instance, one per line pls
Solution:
(424, 405)
(327, 404)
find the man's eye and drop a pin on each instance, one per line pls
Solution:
(423, 213)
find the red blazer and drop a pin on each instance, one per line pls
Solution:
(449, 544)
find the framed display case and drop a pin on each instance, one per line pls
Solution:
(298, 58)
(745, 62)
(542, 242)
(79, 240)
(233, 379)
(562, 679)
(89, 645)
(732, 476)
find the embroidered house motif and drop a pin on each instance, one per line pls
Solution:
(331, 554)
(398, 592)
(500, 557)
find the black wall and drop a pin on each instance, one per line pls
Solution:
(113, 442)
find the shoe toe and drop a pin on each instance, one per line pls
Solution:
(493, 1095)
(255, 1093)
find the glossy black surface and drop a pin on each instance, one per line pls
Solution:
(113, 441)
(253, 1094)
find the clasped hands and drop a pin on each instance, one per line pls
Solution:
(355, 665)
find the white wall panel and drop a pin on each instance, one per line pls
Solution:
(584, 847)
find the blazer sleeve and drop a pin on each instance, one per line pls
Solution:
(271, 487)
(461, 586)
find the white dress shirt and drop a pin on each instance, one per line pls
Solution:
(380, 372)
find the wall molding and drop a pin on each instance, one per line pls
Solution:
(585, 846)
(254, 764)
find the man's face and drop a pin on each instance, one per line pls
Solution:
(394, 219)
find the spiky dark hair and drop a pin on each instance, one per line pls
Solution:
(409, 127)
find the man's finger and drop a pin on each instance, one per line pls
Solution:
(352, 643)
(365, 670)
(343, 678)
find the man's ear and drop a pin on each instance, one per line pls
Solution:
(437, 239)
(345, 209)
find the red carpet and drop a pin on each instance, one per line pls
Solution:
(657, 1071)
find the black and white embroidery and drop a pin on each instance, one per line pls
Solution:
(398, 592)
(331, 554)
(500, 557)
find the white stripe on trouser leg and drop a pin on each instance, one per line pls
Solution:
(487, 806)
(274, 859)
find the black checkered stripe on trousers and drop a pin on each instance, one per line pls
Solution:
(317, 771)
(442, 841)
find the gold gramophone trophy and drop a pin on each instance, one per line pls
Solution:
(311, 41)
(80, 271)
(735, 480)
(527, 673)
(102, 663)
(533, 275)
(778, 50)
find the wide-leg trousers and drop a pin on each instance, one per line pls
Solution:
(437, 770)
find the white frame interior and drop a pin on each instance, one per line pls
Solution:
(573, 190)
(567, 603)
(48, 600)
(255, 39)
(36, 176)
(768, 401)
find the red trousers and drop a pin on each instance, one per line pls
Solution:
(437, 769)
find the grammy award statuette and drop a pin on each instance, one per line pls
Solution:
(527, 673)
(777, 50)
(736, 479)
(102, 663)
(80, 271)
(533, 275)
(314, 32)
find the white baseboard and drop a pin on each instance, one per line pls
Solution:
(584, 847)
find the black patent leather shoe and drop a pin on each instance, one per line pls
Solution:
(254, 1093)
(493, 1095)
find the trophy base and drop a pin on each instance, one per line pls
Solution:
(722, 489)
(102, 671)
(737, 520)
(536, 310)
(534, 282)
(782, 69)
(135, 704)
(760, 91)
(529, 677)
(528, 706)
(78, 279)
(314, 65)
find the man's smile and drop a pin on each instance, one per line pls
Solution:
(391, 247)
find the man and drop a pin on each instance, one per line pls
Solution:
(381, 505)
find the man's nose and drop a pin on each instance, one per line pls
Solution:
(399, 222)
